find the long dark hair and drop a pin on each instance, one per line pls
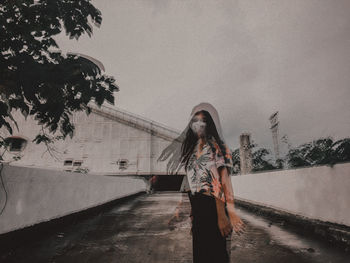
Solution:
(191, 138)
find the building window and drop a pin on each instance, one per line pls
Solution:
(15, 143)
(123, 164)
(77, 163)
(68, 162)
(74, 166)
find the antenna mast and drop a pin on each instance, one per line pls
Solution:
(274, 129)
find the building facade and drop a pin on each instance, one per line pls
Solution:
(108, 141)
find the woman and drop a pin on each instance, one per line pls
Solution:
(201, 150)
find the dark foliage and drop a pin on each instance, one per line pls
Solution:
(323, 151)
(260, 160)
(319, 152)
(236, 160)
(35, 76)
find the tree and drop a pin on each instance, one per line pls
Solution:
(236, 160)
(260, 161)
(342, 150)
(36, 77)
(319, 152)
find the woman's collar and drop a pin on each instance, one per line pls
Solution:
(209, 138)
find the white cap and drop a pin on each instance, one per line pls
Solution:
(213, 113)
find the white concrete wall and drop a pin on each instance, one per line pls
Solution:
(37, 195)
(318, 192)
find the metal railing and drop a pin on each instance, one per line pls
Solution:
(137, 121)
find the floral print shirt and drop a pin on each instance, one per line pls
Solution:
(202, 172)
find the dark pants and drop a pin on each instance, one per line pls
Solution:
(208, 243)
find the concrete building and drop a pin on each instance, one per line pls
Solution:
(109, 141)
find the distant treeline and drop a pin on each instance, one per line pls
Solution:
(323, 151)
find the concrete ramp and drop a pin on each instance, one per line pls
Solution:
(156, 229)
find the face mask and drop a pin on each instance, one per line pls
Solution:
(198, 127)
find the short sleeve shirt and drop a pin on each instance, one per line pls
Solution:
(202, 172)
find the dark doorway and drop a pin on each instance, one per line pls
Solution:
(168, 182)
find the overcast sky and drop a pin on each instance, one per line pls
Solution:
(247, 58)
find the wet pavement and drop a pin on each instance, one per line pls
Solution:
(150, 228)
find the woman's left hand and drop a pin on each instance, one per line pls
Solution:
(224, 225)
(236, 222)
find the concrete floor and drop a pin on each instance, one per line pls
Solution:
(148, 229)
